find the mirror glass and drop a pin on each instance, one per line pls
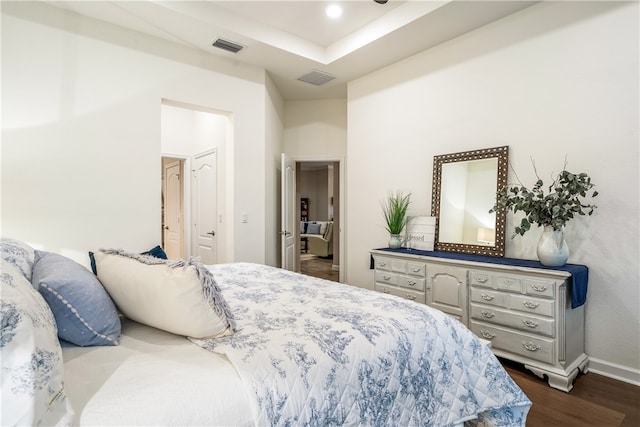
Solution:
(464, 191)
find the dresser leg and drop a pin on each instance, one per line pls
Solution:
(557, 381)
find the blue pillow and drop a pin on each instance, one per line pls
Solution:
(84, 312)
(157, 252)
(313, 228)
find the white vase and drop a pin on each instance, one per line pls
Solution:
(552, 249)
(395, 241)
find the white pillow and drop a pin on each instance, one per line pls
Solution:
(32, 368)
(323, 228)
(177, 296)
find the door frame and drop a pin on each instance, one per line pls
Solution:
(341, 215)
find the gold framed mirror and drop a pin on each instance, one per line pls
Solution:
(464, 191)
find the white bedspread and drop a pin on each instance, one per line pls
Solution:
(153, 378)
(314, 352)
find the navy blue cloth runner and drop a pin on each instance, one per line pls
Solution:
(577, 282)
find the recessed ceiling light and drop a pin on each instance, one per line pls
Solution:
(333, 11)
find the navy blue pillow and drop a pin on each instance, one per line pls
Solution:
(157, 252)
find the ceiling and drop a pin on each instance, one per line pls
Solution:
(294, 38)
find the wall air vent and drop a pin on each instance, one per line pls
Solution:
(316, 78)
(228, 45)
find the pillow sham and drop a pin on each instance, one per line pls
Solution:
(32, 368)
(18, 254)
(177, 296)
(84, 312)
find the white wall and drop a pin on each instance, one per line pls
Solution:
(186, 131)
(557, 79)
(316, 128)
(81, 128)
(314, 185)
(274, 106)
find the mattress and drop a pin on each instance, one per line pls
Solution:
(153, 378)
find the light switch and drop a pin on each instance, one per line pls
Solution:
(244, 217)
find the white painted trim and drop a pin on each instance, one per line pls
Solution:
(615, 371)
(343, 206)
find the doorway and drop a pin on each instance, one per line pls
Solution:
(195, 141)
(318, 201)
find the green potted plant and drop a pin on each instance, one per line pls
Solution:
(550, 207)
(395, 216)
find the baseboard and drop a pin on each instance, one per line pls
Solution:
(335, 267)
(615, 371)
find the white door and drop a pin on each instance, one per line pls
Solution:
(172, 209)
(172, 213)
(288, 214)
(205, 207)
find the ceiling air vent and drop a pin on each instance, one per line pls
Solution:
(228, 45)
(316, 78)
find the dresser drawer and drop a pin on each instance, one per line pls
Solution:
(481, 278)
(486, 296)
(386, 277)
(511, 319)
(401, 292)
(382, 263)
(540, 288)
(536, 348)
(508, 284)
(417, 269)
(526, 304)
(411, 282)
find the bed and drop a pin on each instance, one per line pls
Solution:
(295, 350)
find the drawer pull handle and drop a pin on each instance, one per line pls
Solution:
(483, 279)
(416, 269)
(531, 346)
(411, 282)
(385, 277)
(530, 323)
(487, 297)
(411, 297)
(508, 283)
(487, 335)
(487, 314)
(530, 304)
(386, 291)
(539, 288)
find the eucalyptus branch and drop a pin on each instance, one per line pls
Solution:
(562, 203)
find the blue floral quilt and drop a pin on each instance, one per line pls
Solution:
(319, 353)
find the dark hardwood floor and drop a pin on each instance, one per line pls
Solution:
(594, 401)
(319, 267)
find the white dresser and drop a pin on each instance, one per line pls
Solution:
(524, 310)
